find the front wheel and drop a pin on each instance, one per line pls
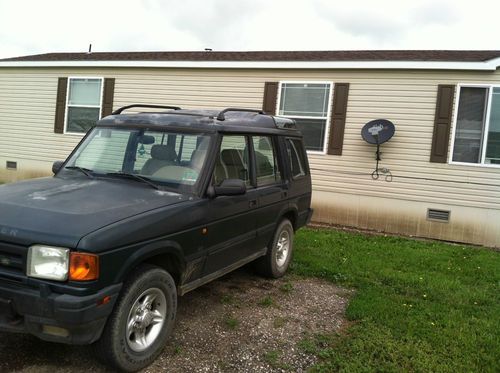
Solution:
(141, 322)
(279, 254)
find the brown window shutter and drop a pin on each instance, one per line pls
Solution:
(337, 121)
(442, 123)
(107, 97)
(62, 87)
(270, 97)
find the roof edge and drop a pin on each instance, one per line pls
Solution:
(489, 65)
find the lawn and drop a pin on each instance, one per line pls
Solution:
(419, 306)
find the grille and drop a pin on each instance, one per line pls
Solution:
(12, 258)
(438, 215)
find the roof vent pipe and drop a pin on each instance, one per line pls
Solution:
(90, 49)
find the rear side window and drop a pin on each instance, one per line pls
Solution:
(266, 163)
(296, 157)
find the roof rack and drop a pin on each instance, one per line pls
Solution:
(119, 111)
(222, 117)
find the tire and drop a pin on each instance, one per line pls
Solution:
(277, 260)
(141, 322)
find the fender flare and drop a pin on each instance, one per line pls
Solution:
(148, 251)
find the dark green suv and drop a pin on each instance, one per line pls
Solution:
(148, 207)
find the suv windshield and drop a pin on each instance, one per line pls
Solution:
(172, 159)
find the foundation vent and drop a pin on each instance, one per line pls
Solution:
(11, 165)
(438, 215)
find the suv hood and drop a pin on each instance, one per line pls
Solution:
(60, 212)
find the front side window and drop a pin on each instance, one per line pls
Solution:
(477, 128)
(232, 160)
(266, 162)
(84, 104)
(168, 158)
(308, 104)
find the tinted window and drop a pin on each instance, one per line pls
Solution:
(296, 157)
(266, 164)
(232, 160)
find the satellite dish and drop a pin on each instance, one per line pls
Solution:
(378, 131)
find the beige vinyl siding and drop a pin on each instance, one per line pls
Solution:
(406, 97)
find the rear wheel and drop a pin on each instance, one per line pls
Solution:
(141, 322)
(279, 254)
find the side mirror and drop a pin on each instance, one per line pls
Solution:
(56, 166)
(228, 187)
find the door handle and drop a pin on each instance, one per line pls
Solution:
(252, 203)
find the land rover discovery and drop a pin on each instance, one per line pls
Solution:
(148, 207)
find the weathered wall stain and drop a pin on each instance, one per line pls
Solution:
(467, 225)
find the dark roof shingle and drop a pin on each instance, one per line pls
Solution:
(366, 55)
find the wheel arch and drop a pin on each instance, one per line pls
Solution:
(164, 254)
(292, 215)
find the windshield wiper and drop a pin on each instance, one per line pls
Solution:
(142, 179)
(83, 170)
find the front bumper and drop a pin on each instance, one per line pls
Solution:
(54, 317)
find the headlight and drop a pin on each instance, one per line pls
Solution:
(48, 262)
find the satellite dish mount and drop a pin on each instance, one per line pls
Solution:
(377, 132)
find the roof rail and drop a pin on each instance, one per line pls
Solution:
(119, 111)
(221, 115)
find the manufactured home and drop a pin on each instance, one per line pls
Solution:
(437, 177)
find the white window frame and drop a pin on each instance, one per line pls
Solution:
(486, 125)
(328, 113)
(66, 132)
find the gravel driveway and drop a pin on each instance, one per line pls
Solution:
(240, 323)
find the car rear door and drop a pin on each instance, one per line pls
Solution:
(270, 186)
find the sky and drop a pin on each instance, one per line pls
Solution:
(42, 26)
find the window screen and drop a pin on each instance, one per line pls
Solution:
(470, 124)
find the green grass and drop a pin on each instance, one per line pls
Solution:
(287, 287)
(266, 302)
(232, 322)
(273, 359)
(419, 306)
(279, 322)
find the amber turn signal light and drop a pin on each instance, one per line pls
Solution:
(83, 267)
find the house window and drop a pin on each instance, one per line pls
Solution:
(83, 108)
(477, 127)
(309, 105)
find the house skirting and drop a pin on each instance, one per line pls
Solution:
(473, 225)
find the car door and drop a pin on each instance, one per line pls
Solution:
(270, 185)
(231, 232)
